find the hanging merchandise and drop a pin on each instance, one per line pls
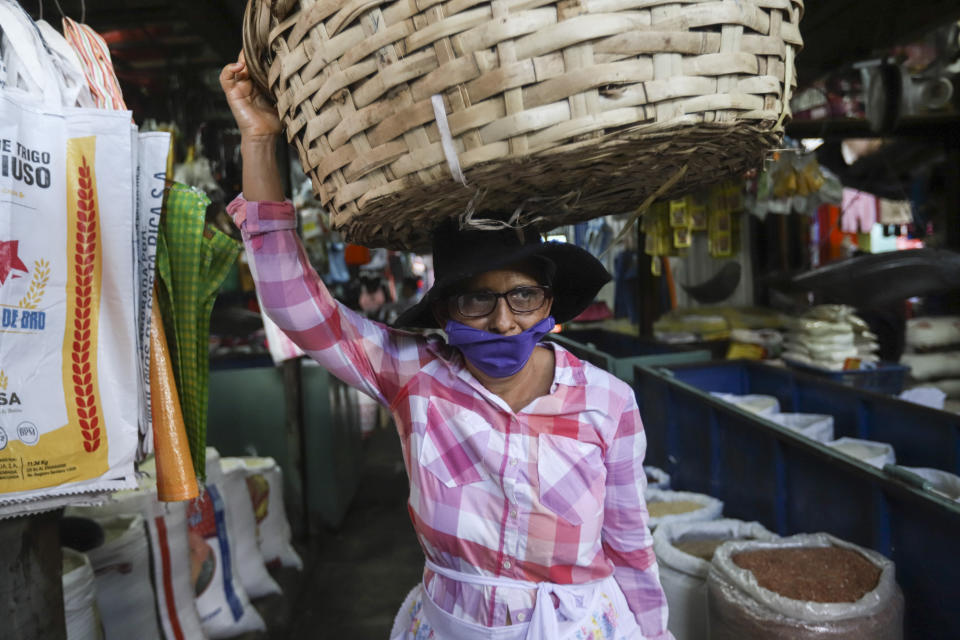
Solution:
(68, 343)
(684, 551)
(859, 211)
(242, 524)
(79, 597)
(265, 486)
(97, 66)
(152, 151)
(803, 587)
(669, 225)
(125, 595)
(192, 261)
(223, 603)
(792, 182)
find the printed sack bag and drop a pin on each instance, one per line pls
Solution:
(68, 366)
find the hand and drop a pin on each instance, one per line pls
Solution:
(256, 117)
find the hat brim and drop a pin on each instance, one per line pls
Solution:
(578, 278)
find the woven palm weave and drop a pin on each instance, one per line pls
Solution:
(555, 112)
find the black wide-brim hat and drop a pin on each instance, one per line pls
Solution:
(459, 255)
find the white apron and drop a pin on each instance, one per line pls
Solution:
(576, 603)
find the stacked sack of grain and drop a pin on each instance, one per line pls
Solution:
(831, 337)
(933, 355)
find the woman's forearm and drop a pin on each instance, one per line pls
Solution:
(261, 173)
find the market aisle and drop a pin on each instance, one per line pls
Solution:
(355, 579)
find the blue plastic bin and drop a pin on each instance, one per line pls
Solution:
(887, 377)
(792, 484)
(619, 353)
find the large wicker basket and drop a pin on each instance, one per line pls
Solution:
(554, 111)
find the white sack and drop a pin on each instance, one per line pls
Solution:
(755, 403)
(930, 366)
(710, 509)
(943, 482)
(80, 597)
(223, 604)
(873, 453)
(242, 523)
(684, 577)
(930, 332)
(656, 478)
(274, 536)
(815, 426)
(740, 609)
(124, 590)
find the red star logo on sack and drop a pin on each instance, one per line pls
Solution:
(9, 260)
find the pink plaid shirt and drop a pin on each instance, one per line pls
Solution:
(553, 492)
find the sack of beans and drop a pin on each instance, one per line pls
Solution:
(876, 454)
(815, 426)
(680, 506)
(684, 551)
(656, 478)
(808, 586)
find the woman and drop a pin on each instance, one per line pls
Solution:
(525, 464)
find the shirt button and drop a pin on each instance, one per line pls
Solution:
(521, 617)
(506, 564)
(513, 513)
(513, 462)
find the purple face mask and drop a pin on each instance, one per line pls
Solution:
(496, 355)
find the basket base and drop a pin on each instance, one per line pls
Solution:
(567, 184)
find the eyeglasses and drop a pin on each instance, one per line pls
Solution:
(477, 304)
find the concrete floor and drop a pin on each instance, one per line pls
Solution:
(354, 579)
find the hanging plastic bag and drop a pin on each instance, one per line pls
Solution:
(68, 373)
(740, 608)
(79, 597)
(684, 551)
(265, 485)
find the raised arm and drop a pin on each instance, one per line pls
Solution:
(362, 353)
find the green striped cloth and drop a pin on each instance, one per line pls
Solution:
(193, 259)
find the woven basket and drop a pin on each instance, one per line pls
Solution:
(554, 111)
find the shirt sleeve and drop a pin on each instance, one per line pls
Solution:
(626, 538)
(365, 354)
